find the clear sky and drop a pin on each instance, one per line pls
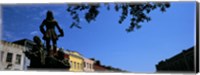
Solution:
(166, 35)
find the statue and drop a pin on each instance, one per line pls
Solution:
(49, 34)
(37, 54)
(41, 57)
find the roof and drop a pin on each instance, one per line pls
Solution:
(22, 41)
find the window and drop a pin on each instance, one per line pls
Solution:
(91, 66)
(74, 65)
(85, 64)
(81, 65)
(18, 59)
(9, 57)
(77, 65)
(2, 53)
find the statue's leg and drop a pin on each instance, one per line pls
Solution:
(48, 46)
(54, 46)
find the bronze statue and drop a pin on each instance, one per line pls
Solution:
(42, 57)
(50, 34)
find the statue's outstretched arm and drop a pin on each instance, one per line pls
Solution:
(42, 28)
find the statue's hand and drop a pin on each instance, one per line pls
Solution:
(61, 33)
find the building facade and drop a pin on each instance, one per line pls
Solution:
(28, 44)
(76, 61)
(182, 62)
(11, 56)
(88, 65)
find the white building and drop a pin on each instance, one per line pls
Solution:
(11, 56)
(28, 44)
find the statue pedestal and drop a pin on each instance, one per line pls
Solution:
(40, 59)
(52, 62)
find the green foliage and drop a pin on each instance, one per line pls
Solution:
(138, 12)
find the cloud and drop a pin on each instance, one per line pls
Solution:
(34, 33)
(8, 35)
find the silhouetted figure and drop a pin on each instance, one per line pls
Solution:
(49, 33)
(41, 57)
(37, 54)
(40, 48)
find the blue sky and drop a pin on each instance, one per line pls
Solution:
(166, 35)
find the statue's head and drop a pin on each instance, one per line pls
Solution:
(49, 15)
(37, 40)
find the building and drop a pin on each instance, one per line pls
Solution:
(113, 69)
(182, 62)
(66, 55)
(97, 66)
(12, 56)
(76, 61)
(28, 44)
(88, 65)
(25, 42)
